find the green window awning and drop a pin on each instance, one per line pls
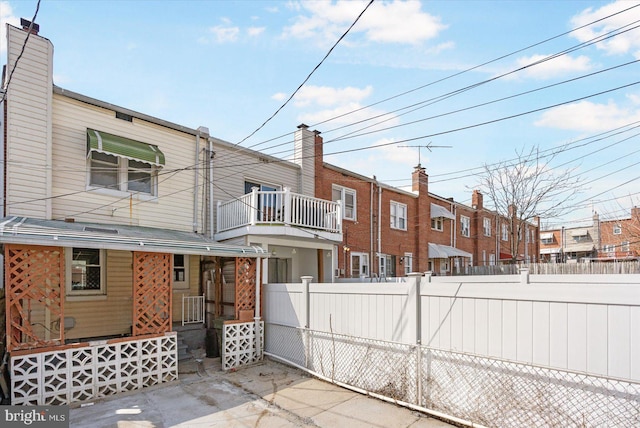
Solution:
(98, 141)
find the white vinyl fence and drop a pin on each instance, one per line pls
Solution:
(516, 350)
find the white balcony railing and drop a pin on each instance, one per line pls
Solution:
(281, 207)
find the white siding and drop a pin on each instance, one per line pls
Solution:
(28, 140)
(173, 208)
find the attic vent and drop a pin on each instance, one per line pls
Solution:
(123, 116)
(99, 229)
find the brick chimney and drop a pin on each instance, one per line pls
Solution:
(26, 24)
(420, 180)
(476, 200)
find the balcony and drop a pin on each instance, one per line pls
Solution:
(280, 212)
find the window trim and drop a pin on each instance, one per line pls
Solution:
(181, 285)
(439, 224)
(363, 262)
(487, 230)
(408, 263)
(72, 294)
(617, 229)
(396, 217)
(505, 231)
(343, 191)
(466, 223)
(122, 186)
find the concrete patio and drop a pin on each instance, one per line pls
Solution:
(268, 394)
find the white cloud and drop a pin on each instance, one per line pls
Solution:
(224, 34)
(339, 105)
(634, 98)
(6, 16)
(255, 31)
(628, 42)
(279, 96)
(588, 117)
(384, 22)
(552, 68)
(328, 96)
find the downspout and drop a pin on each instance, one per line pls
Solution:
(257, 315)
(380, 227)
(371, 245)
(196, 187)
(211, 155)
(3, 157)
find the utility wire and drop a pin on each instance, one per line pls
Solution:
(24, 46)
(456, 74)
(309, 76)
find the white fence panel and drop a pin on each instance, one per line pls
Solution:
(578, 322)
(586, 323)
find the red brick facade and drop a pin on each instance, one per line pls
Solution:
(371, 233)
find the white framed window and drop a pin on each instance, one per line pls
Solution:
(486, 226)
(86, 270)
(533, 236)
(181, 271)
(617, 229)
(624, 246)
(387, 264)
(359, 265)
(382, 267)
(484, 257)
(398, 216)
(527, 236)
(348, 199)
(408, 263)
(505, 232)
(609, 248)
(122, 174)
(492, 259)
(437, 223)
(465, 223)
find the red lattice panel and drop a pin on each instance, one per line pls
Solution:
(245, 284)
(34, 278)
(151, 293)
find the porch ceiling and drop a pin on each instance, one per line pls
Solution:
(24, 230)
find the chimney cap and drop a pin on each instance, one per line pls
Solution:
(303, 126)
(26, 24)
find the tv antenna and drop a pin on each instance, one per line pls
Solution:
(428, 146)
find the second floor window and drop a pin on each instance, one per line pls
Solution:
(624, 246)
(348, 198)
(486, 226)
(617, 230)
(398, 216)
(121, 164)
(464, 226)
(505, 232)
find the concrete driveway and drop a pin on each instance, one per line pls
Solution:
(268, 394)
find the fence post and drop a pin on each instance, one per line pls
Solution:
(305, 301)
(414, 304)
(524, 276)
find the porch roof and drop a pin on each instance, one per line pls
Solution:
(437, 251)
(24, 230)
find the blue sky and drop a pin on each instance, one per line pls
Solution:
(230, 65)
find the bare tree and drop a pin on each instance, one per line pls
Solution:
(526, 188)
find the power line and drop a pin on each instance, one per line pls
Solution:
(24, 46)
(309, 76)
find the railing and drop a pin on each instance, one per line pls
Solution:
(192, 309)
(279, 207)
